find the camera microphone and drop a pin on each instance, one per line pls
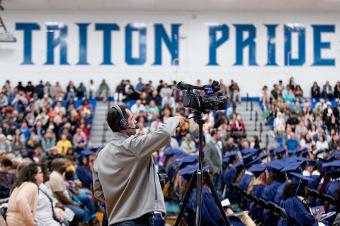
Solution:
(185, 86)
(182, 85)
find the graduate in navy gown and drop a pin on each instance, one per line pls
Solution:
(276, 178)
(290, 165)
(295, 204)
(84, 172)
(256, 187)
(231, 159)
(230, 174)
(248, 176)
(333, 187)
(210, 215)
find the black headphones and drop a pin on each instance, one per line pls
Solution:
(123, 123)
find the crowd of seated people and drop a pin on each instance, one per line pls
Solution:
(253, 178)
(304, 121)
(39, 124)
(50, 125)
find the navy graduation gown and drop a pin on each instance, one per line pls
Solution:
(332, 187)
(84, 174)
(268, 194)
(211, 215)
(298, 213)
(228, 177)
(278, 196)
(229, 174)
(331, 190)
(270, 190)
(256, 211)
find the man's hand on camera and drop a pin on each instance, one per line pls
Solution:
(181, 119)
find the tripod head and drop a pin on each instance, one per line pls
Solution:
(198, 117)
(198, 178)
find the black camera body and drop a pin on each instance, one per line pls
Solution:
(210, 100)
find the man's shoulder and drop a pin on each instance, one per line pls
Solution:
(55, 176)
(211, 144)
(114, 146)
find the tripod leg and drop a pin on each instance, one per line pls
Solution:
(186, 198)
(217, 201)
(199, 197)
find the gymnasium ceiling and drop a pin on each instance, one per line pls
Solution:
(175, 5)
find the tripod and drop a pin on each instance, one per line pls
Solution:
(197, 178)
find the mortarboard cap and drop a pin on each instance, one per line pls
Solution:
(247, 151)
(257, 160)
(186, 160)
(188, 170)
(298, 178)
(257, 169)
(279, 150)
(295, 159)
(169, 151)
(85, 152)
(292, 166)
(335, 155)
(302, 151)
(319, 151)
(229, 155)
(275, 166)
(331, 167)
(249, 158)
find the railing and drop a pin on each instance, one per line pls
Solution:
(105, 125)
(267, 141)
(256, 119)
(260, 132)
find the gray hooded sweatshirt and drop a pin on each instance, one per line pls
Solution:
(124, 175)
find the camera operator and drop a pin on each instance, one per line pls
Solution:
(124, 174)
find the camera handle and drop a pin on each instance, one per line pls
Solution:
(197, 178)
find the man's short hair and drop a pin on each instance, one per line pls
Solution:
(113, 118)
(213, 132)
(57, 163)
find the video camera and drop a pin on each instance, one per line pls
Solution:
(211, 100)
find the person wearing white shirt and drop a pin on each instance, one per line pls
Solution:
(138, 107)
(45, 213)
(168, 100)
(92, 90)
(188, 145)
(165, 91)
(321, 144)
